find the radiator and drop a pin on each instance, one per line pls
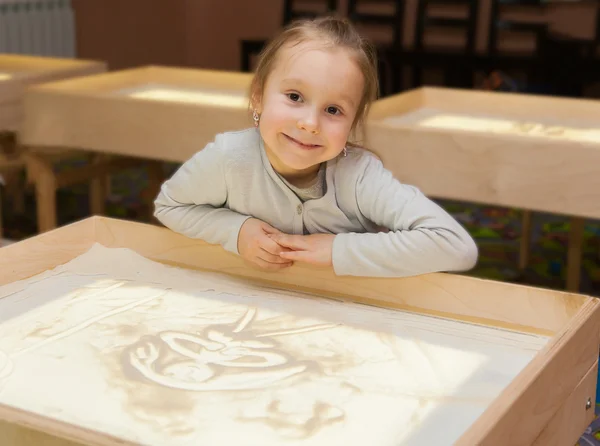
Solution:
(37, 27)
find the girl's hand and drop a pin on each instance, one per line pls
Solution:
(256, 245)
(315, 248)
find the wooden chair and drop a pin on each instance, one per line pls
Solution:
(529, 63)
(249, 48)
(458, 64)
(388, 15)
(291, 12)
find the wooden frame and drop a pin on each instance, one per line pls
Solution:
(98, 113)
(17, 73)
(545, 172)
(548, 403)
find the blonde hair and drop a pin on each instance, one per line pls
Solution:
(333, 32)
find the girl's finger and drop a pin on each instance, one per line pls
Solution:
(270, 229)
(271, 258)
(270, 245)
(271, 266)
(295, 242)
(299, 256)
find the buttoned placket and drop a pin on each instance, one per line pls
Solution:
(299, 217)
(299, 208)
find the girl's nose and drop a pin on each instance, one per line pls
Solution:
(310, 123)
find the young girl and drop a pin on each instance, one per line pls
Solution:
(294, 189)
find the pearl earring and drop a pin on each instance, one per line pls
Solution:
(256, 118)
(344, 151)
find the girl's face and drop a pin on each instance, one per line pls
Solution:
(308, 106)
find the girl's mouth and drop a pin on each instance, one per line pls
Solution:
(301, 144)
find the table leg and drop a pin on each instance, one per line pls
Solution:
(98, 187)
(525, 245)
(41, 174)
(1, 228)
(574, 253)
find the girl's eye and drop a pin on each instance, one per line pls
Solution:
(333, 110)
(294, 96)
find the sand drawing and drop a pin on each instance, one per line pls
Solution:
(208, 357)
(180, 357)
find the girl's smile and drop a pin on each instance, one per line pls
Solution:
(300, 144)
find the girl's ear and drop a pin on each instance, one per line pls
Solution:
(255, 100)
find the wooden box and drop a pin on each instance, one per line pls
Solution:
(17, 72)
(515, 150)
(548, 402)
(149, 112)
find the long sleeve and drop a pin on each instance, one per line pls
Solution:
(192, 201)
(422, 237)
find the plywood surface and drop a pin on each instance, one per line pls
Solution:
(151, 112)
(482, 301)
(179, 357)
(547, 311)
(18, 71)
(531, 152)
(571, 420)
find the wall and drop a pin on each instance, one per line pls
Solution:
(128, 33)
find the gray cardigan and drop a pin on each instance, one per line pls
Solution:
(384, 228)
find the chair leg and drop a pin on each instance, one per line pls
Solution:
(525, 248)
(574, 254)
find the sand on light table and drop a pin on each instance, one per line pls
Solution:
(205, 96)
(442, 120)
(181, 357)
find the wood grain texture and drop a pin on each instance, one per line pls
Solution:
(450, 295)
(537, 397)
(573, 417)
(530, 402)
(23, 71)
(89, 113)
(19, 428)
(540, 174)
(40, 253)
